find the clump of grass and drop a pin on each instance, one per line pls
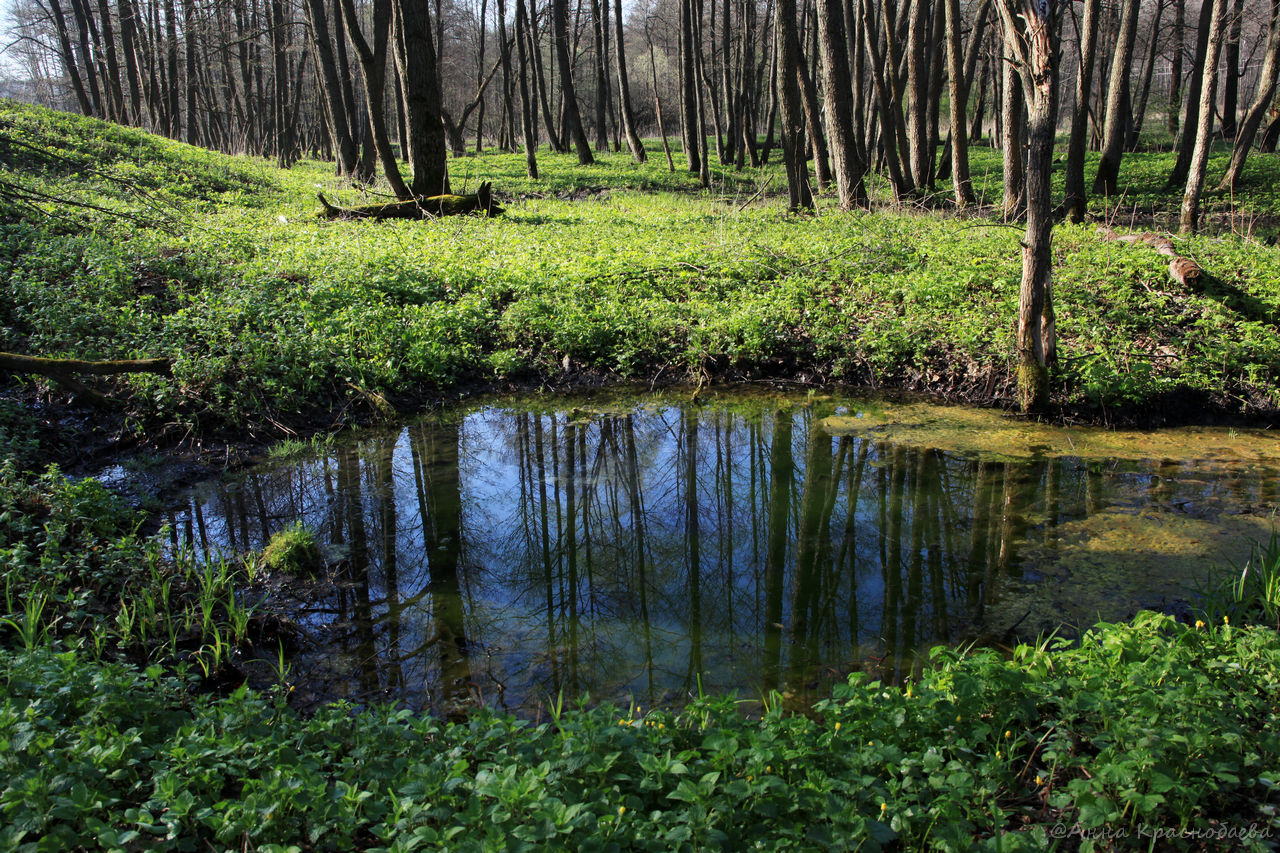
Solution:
(1253, 596)
(293, 551)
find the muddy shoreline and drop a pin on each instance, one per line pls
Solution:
(83, 439)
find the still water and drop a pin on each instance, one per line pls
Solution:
(644, 547)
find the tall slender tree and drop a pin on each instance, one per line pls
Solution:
(1190, 218)
(1030, 32)
(1117, 102)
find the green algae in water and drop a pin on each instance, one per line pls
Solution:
(991, 434)
(647, 546)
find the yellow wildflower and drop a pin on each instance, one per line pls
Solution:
(621, 810)
(1199, 623)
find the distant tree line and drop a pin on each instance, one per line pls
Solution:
(841, 87)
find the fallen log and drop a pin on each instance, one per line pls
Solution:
(62, 370)
(430, 207)
(1184, 271)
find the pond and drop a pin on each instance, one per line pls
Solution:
(645, 547)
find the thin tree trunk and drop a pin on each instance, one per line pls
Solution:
(1175, 65)
(1029, 36)
(1075, 202)
(114, 89)
(129, 46)
(793, 149)
(1191, 117)
(1114, 130)
(960, 181)
(339, 129)
(890, 118)
(1231, 83)
(624, 88)
(601, 80)
(657, 103)
(373, 71)
(1153, 44)
(573, 118)
(1190, 219)
(1267, 84)
(69, 58)
(528, 120)
(1011, 109)
(690, 124)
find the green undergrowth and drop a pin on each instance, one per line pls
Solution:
(1149, 727)
(270, 312)
(113, 735)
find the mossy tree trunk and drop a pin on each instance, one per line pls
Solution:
(1029, 36)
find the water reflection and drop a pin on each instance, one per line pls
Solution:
(509, 555)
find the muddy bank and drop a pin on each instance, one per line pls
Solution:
(84, 439)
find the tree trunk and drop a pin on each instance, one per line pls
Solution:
(787, 44)
(1190, 126)
(1029, 35)
(373, 71)
(69, 58)
(415, 54)
(624, 88)
(573, 118)
(1231, 82)
(528, 119)
(1113, 132)
(657, 102)
(128, 46)
(1011, 110)
(849, 168)
(114, 90)
(1267, 83)
(813, 122)
(83, 24)
(339, 128)
(1175, 65)
(1075, 202)
(1190, 219)
(601, 79)
(890, 116)
(690, 123)
(960, 181)
(1153, 44)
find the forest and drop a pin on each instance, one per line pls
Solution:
(672, 425)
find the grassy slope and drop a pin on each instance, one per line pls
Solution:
(269, 311)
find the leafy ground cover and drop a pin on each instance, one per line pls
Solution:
(116, 244)
(112, 739)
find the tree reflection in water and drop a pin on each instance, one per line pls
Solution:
(512, 555)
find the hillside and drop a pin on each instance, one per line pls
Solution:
(118, 244)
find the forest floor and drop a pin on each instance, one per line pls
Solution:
(116, 244)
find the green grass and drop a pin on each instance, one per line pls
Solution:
(270, 312)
